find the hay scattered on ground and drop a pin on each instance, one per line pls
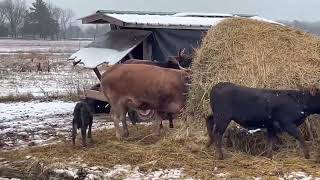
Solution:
(149, 152)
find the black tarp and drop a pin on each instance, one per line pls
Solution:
(168, 42)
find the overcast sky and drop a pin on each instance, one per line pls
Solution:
(308, 10)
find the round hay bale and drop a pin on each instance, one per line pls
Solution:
(254, 54)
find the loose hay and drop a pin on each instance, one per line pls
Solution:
(163, 153)
(255, 54)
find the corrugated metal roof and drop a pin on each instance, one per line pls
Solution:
(110, 48)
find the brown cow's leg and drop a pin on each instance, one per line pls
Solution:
(161, 126)
(156, 124)
(124, 125)
(115, 118)
(170, 117)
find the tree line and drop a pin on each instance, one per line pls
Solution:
(47, 21)
(312, 27)
(41, 20)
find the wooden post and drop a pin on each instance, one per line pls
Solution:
(147, 51)
(97, 72)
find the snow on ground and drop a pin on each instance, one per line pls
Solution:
(62, 79)
(42, 84)
(298, 176)
(37, 123)
(10, 46)
(121, 172)
(12, 111)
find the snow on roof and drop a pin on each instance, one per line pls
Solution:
(180, 20)
(187, 14)
(110, 48)
(131, 20)
(92, 57)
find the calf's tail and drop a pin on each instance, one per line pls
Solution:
(210, 124)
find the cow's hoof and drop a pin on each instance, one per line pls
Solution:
(269, 155)
(119, 137)
(90, 140)
(307, 156)
(219, 157)
(126, 134)
(156, 134)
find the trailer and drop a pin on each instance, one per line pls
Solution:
(145, 35)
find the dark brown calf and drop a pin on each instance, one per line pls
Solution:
(140, 86)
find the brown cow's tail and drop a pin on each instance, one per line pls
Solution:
(210, 124)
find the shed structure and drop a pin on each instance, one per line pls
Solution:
(144, 35)
(147, 35)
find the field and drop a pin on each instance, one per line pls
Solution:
(38, 91)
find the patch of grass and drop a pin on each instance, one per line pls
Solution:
(149, 152)
(29, 97)
(15, 98)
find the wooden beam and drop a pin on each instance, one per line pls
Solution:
(97, 72)
(145, 49)
(97, 95)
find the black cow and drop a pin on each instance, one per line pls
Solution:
(274, 110)
(82, 119)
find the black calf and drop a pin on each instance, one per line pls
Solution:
(82, 119)
(275, 110)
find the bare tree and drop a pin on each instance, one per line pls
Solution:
(15, 11)
(65, 20)
(2, 14)
(55, 11)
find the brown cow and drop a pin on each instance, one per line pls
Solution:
(141, 86)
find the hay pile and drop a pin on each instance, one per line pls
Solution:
(255, 54)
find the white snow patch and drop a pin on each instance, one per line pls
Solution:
(222, 174)
(254, 131)
(124, 172)
(39, 46)
(69, 171)
(11, 111)
(299, 176)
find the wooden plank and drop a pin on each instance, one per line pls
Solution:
(101, 19)
(191, 27)
(97, 95)
(97, 72)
